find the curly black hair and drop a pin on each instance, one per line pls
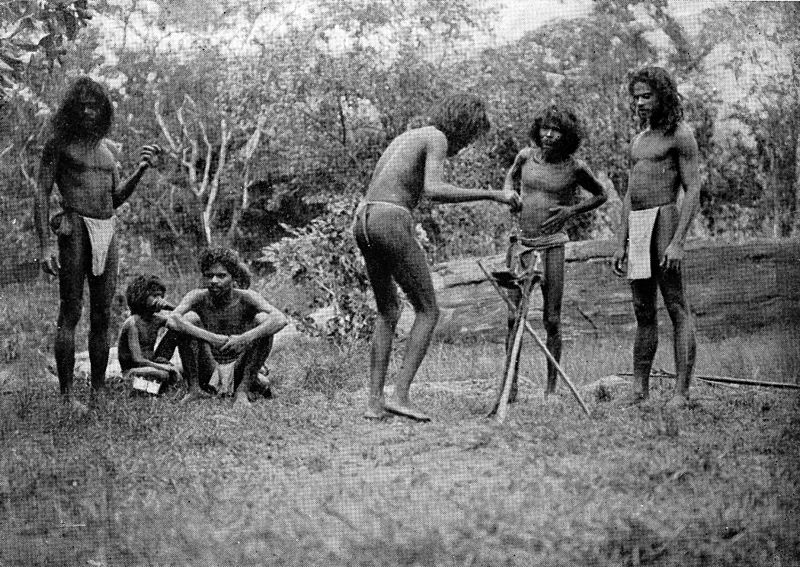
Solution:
(668, 112)
(139, 289)
(68, 123)
(462, 118)
(229, 260)
(562, 119)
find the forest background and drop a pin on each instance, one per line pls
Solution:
(272, 116)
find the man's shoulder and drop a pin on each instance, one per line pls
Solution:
(248, 295)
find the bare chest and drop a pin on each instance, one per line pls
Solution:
(555, 179)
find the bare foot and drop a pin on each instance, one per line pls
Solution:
(75, 407)
(678, 401)
(637, 397)
(241, 401)
(376, 413)
(405, 409)
(194, 395)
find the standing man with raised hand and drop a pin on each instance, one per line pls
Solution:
(81, 161)
(412, 166)
(655, 223)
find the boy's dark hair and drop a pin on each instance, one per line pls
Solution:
(139, 289)
(68, 122)
(461, 118)
(668, 112)
(565, 121)
(229, 260)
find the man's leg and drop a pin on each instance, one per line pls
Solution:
(73, 250)
(198, 364)
(101, 295)
(388, 306)
(412, 273)
(553, 292)
(646, 343)
(248, 365)
(684, 343)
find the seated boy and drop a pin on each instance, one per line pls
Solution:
(225, 332)
(138, 355)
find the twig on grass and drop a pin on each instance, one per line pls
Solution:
(728, 380)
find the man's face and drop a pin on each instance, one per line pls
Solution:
(645, 101)
(89, 107)
(550, 135)
(218, 280)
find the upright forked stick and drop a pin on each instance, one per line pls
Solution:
(539, 342)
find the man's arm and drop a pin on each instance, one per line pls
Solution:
(122, 191)
(515, 171)
(131, 332)
(269, 321)
(48, 254)
(177, 321)
(689, 172)
(587, 180)
(436, 188)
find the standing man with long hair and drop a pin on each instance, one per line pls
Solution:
(655, 223)
(549, 176)
(412, 166)
(81, 162)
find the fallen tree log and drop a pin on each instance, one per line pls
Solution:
(729, 286)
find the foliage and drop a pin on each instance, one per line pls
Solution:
(35, 34)
(323, 255)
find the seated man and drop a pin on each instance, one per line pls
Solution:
(225, 332)
(138, 354)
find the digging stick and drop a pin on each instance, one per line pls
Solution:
(539, 342)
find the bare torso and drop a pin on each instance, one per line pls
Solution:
(399, 176)
(655, 175)
(544, 185)
(230, 318)
(147, 332)
(86, 177)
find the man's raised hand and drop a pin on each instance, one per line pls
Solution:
(149, 155)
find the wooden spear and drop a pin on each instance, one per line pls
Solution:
(539, 342)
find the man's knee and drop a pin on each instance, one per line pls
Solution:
(390, 313)
(70, 312)
(644, 311)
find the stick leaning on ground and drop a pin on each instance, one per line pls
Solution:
(500, 407)
(539, 342)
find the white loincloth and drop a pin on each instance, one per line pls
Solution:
(640, 236)
(101, 231)
(222, 377)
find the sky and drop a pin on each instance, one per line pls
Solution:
(519, 16)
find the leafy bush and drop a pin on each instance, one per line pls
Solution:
(323, 257)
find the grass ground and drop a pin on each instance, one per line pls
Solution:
(303, 480)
